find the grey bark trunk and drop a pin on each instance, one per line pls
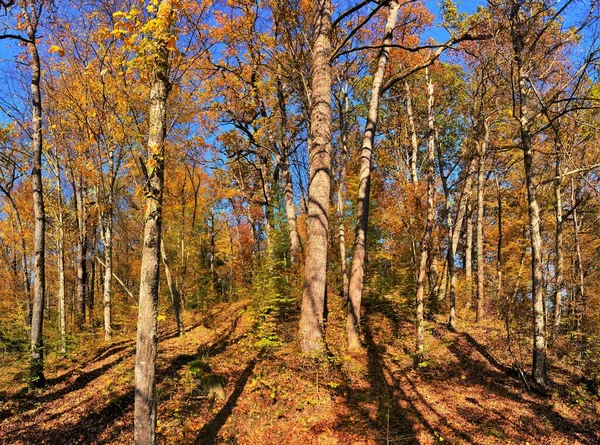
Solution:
(37, 319)
(81, 253)
(482, 148)
(172, 290)
(426, 241)
(560, 261)
(364, 187)
(107, 241)
(311, 328)
(147, 335)
(290, 210)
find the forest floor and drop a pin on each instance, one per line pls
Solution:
(462, 393)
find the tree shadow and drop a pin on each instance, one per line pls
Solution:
(209, 432)
(494, 380)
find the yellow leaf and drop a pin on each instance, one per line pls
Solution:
(161, 318)
(57, 49)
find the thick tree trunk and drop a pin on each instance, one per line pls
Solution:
(39, 271)
(426, 241)
(364, 187)
(147, 335)
(172, 290)
(315, 271)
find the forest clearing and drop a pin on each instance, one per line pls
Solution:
(298, 221)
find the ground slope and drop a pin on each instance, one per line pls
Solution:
(462, 393)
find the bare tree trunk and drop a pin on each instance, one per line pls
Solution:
(290, 210)
(469, 247)
(147, 335)
(580, 294)
(81, 252)
(560, 260)
(315, 271)
(481, 149)
(426, 241)
(499, 246)
(344, 106)
(107, 241)
(413, 135)
(39, 271)
(172, 290)
(364, 187)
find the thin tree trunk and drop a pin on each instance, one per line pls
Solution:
(147, 333)
(39, 271)
(560, 260)
(315, 271)
(499, 246)
(107, 241)
(290, 210)
(81, 253)
(539, 370)
(580, 294)
(413, 135)
(469, 249)
(62, 312)
(482, 148)
(426, 241)
(344, 106)
(172, 289)
(364, 188)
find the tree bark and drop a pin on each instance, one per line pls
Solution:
(37, 378)
(290, 210)
(107, 241)
(426, 241)
(311, 327)
(364, 187)
(560, 260)
(172, 290)
(469, 249)
(81, 253)
(481, 151)
(147, 335)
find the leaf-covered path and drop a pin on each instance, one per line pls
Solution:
(461, 394)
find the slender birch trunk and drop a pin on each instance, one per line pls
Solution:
(364, 187)
(311, 329)
(147, 333)
(107, 241)
(469, 247)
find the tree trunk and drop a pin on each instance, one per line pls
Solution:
(315, 270)
(172, 289)
(37, 378)
(147, 335)
(426, 241)
(290, 210)
(560, 260)
(578, 307)
(107, 241)
(413, 135)
(364, 187)
(81, 252)
(341, 188)
(499, 246)
(469, 249)
(480, 254)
